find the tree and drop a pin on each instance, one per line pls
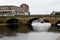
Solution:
(55, 13)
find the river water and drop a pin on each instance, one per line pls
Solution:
(32, 32)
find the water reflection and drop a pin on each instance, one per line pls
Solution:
(41, 26)
(26, 29)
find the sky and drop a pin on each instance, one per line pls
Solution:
(36, 6)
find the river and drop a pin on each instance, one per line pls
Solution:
(36, 32)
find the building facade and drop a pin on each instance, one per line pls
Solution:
(22, 10)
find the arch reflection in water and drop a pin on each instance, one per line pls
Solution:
(24, 28)
(13, 24)
(41, 26)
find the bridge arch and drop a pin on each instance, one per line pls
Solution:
(30, 20)
(58, 24)
(45, 20)
(12, 24)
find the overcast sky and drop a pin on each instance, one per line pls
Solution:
(36, 6)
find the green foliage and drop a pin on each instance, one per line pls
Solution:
(57, 13)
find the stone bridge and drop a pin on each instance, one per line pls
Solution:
(53, 19)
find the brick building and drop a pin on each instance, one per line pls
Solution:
(23, 9)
